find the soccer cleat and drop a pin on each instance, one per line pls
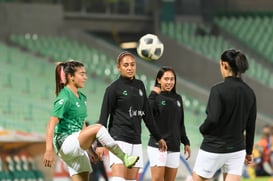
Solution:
(130, 161)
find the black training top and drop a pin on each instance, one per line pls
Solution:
(126, 102)
(231, 116)
(168, 111)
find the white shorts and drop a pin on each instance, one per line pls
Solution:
(131, 149)
(166, 158)
(76, 159)
(207, 163)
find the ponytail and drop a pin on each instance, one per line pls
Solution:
(62, 70)
(241, 62)
(60, 78)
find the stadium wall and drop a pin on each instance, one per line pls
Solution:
(29, 18)
(245, 5)
(108, 23)
(212, 7)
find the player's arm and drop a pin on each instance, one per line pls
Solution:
(108, 103)
(49, 153)
(150, 123)
(183, 137)
(213, 111)
(250, 130)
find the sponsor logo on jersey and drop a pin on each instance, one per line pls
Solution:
(133, 113)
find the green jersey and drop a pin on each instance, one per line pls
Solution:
(71, 111)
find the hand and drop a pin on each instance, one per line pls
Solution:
(187, 149)
(162, 145)
(100, 152)
(93, 155)
(248, 159)
(157, 88)
(49, 158)
(95, 158)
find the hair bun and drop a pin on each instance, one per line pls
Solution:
(234, 53)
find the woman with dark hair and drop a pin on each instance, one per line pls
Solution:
(67, 132)
(126, 103)
(229, 127)
(167, 107)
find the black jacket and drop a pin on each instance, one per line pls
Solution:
(127, 104)
(169, 116)
(231, 117)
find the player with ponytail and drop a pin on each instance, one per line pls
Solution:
(229, 128)
(67, 133)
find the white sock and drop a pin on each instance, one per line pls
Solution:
(130, 180)
(106, 140)
(117, 179)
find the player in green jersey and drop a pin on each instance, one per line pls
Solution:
(67, 133)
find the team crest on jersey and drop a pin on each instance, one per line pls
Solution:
(140, 92)
(77, 104)
(178, 103)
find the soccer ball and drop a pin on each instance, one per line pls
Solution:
(150, 47)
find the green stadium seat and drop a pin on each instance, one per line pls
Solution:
(254, 31)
